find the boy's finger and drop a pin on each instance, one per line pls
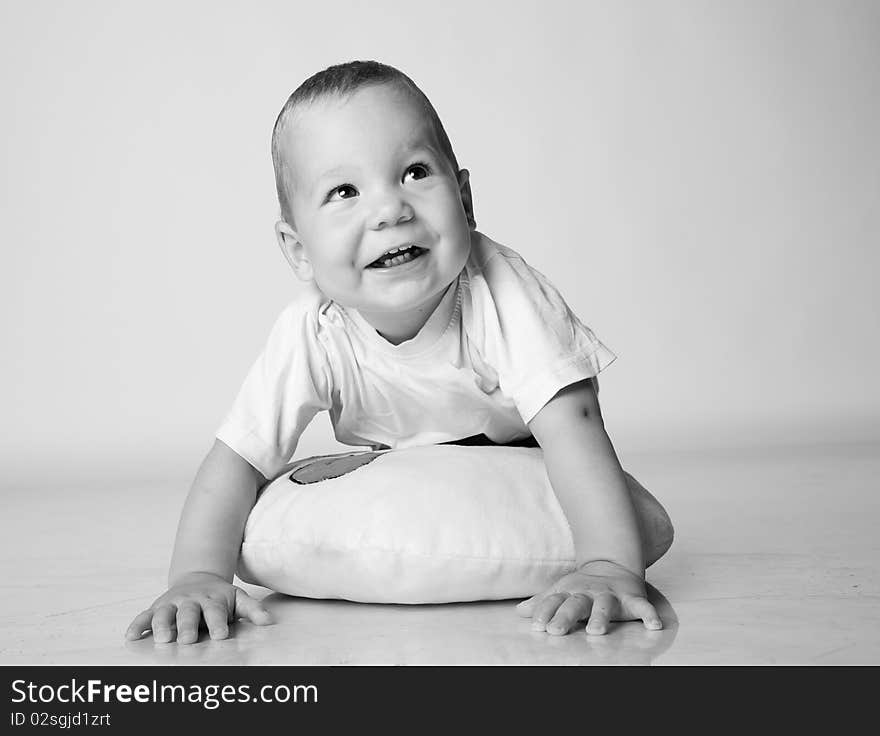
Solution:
(573, 609)
(163, 618)
(251, 609)
(603, 607)
(546, 609)
(526, 607)
(139, 625)
(189, 615)
(642, 608)
(217, 619)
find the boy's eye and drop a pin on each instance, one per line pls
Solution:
(417, 171)
(346, 191)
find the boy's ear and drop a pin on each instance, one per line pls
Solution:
(464, 188)
(293, 250)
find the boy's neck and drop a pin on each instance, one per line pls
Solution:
(398, 327)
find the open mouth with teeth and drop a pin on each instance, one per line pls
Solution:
(398, 256)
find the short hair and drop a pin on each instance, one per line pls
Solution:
(342, 80)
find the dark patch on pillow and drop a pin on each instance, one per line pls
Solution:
(330, 466)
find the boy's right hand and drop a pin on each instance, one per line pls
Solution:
(195, 598)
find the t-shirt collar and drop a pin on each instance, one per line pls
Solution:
(426, 338)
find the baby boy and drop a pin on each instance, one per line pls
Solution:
(419, 330)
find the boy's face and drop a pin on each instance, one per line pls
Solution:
(369, 177)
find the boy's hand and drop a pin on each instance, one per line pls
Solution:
(196, 598)
(600, 591)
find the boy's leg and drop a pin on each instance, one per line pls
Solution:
(654, 522)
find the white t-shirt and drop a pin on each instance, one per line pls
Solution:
(499, 346)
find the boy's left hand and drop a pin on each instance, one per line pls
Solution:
(600, 592)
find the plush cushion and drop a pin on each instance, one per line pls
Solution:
(429, 524)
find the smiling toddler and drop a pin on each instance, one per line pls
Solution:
(419, 330)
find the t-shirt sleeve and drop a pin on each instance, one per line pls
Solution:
(530, 336)
(287, 385)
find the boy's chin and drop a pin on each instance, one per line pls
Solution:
(390, 304)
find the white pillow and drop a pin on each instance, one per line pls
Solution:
(431, 524)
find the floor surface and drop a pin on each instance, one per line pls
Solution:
(775, 562)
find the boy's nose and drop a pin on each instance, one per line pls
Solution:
(389, 210)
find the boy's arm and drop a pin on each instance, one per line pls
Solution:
(212, 521)
(589, 483)
(206, 553)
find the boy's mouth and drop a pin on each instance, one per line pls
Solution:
(397, 256)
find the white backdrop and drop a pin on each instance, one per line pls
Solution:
(700, 179)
